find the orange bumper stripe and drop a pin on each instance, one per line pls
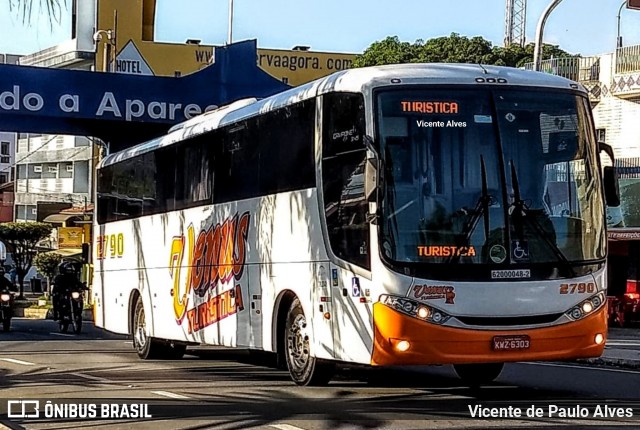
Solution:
(433, 344)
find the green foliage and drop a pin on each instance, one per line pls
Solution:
(388, 51)
(452, 49)
(21, 238)
(47, 263)
(25, 9)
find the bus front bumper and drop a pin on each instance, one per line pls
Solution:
(433, 344)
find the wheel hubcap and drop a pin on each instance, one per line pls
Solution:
(298, 343)
(140, 333)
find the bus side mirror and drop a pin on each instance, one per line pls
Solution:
(370, 179)
(611, 188)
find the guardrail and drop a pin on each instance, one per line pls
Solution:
(581, 69)
(628, 59)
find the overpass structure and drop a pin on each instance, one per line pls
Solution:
(124, 109)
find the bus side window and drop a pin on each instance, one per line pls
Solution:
(165, 178)
(236, 163)
(193, 183)
(343, 158)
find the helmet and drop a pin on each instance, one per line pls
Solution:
(66, 268)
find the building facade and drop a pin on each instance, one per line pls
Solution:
(613, 82)
(52, 168)
(7, 161)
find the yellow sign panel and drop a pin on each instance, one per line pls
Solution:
(70, 237)
(133, 50)
(299, 67)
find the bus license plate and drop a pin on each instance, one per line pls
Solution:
(511, 343)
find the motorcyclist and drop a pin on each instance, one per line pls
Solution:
(64, 281)
(5, 283)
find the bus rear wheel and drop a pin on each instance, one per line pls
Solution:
(303, 368)
(477, 374)
(146, 347)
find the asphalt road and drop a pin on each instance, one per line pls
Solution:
(229, 389)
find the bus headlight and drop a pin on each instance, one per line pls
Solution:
(586, 307)
(414, 309)
(423, 312)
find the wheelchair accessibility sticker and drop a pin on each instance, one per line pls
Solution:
(519, 250)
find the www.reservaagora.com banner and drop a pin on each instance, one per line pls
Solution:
(343, 409)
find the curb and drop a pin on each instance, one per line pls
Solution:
(620, 363)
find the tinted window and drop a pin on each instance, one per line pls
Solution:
(237, 164)
(286, 149)
(343, 159)
(193, 174)
(262, 155)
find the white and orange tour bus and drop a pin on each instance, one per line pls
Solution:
(398, 215)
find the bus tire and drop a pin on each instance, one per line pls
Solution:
(303, 368)
(477, 374)
(146, 347)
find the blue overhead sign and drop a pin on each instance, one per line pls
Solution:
(124, 109)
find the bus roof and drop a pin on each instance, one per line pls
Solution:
(352, 80)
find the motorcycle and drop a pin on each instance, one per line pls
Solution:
(71, 306)
(6, 308)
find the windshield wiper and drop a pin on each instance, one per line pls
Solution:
(482, 208)
(522, 212)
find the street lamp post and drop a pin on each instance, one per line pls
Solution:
(230, 37)
(537, 53)
(109, 41)
(618, 37)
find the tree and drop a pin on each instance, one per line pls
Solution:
(25, 8)
(387, 51)
(457, 49)
(22, 238)
(47, 263)
(451, 49)
(517, 56)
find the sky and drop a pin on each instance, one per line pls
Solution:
(586, 27)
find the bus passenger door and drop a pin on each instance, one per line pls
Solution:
(352, 316)
(323, 313)
(344, 157)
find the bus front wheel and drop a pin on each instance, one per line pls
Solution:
(476, 374)
(303, 368)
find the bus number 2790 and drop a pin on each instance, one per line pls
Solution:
(110, 246)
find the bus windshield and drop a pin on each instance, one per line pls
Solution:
(488, 176)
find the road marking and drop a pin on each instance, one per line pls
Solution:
(62, 334)
(14, 361)
(285, 427)
(623, 343)
(170, 394)
(129, 342)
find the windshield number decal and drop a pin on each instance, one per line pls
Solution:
(580, 288)
(510, 274)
